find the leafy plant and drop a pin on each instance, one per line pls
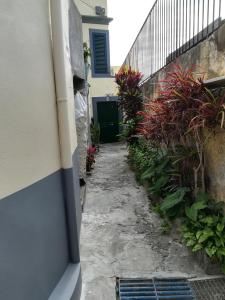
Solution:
(95, 134)
(185, 159)
(204, 228)
(170, 157)
(90, 160)
(199, 204)
(153, 168)
(87, 52)
(129, 128)
(140, 157)
(157, 209)
(130, 94)
(177, 116)
(130, 98)
(173, 204)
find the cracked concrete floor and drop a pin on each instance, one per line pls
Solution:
(120, 236)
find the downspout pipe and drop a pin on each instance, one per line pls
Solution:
(59, 10)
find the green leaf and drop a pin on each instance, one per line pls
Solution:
(159, 184)
(198, 234)
(199, 205)
(221, 252)
(190, 243)
(205, 235)
(220, 227)
(211, 251)
(222, 241)
(202, 197)
(148, 174)
(219, 242)
(197, 248)
(192, 212)
(187, 235)
(174, 198)
(208, 220)
(174, 211)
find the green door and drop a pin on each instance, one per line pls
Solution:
(108, 118)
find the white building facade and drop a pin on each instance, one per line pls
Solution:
(40, 211)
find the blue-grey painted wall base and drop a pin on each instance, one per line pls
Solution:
(39, 237)
(69, 287)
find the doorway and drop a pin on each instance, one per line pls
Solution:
(107, 115)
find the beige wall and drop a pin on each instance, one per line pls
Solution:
(28, 123)
(99, 87)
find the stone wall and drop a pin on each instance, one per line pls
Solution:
(208, 59)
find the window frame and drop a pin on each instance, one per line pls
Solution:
(94, 74)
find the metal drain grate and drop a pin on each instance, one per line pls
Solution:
(154, 289)
(209, 289)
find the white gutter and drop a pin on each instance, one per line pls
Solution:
(63, 80)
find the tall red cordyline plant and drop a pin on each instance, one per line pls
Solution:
(129, 92)
(183, 108)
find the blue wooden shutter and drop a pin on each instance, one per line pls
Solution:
(100, 55)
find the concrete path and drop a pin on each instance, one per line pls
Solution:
(120, 237)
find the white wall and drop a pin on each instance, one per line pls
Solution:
(29, 141)
(89, 7)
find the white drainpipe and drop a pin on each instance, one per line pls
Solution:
(63, 80)
(66, 119)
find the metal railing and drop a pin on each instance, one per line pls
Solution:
(171, 28)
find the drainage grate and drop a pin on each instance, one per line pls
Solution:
(154, 289)
(209, 289)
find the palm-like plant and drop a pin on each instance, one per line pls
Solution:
(177, 117)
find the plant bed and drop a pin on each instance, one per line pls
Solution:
(169, 160)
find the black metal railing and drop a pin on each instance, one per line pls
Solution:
(171, 28)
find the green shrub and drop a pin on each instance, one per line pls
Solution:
(140, 157)
(153, 168)
(170, 161)
(204, 228)
(95, 134)
(173, 204)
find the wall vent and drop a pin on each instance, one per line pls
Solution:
(100, 11)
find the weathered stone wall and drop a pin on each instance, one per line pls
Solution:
(208, 59)
(215, 164)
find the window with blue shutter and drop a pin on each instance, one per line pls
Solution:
(100, 52)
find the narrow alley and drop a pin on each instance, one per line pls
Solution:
(120, 237)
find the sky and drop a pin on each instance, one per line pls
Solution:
(128, 17)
